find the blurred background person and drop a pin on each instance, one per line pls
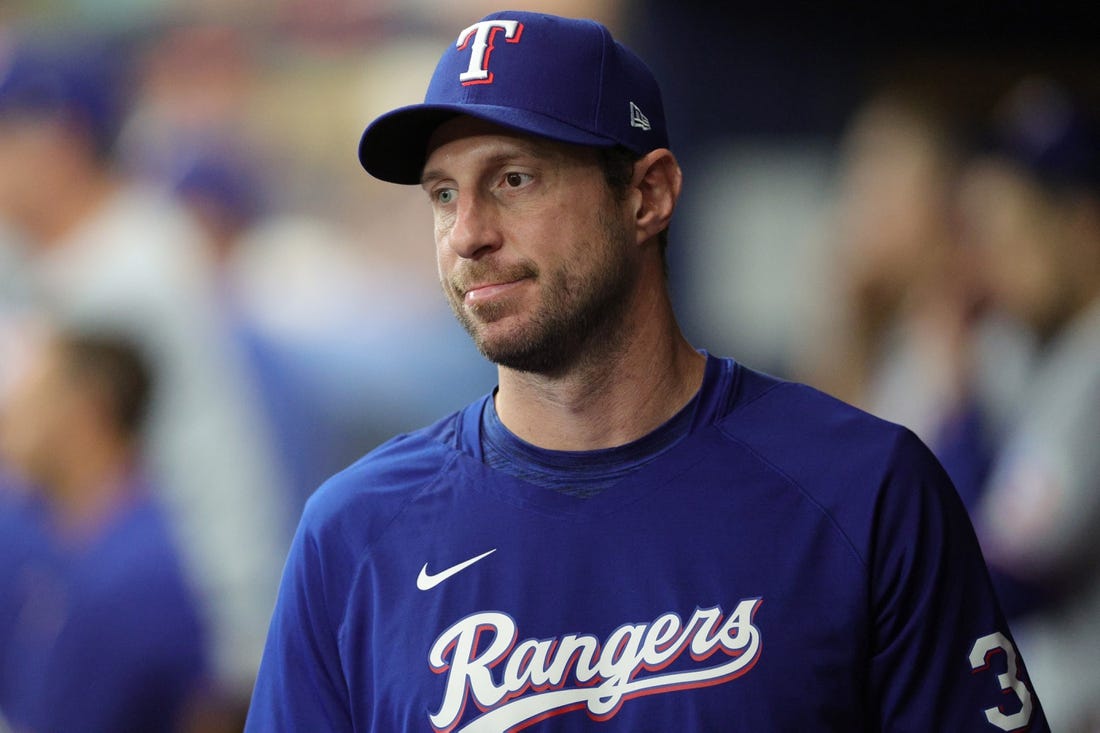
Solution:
(101, 250)
(1030, 208)
(896, 345)
(910, 337)
(111, 641)
(224, 188)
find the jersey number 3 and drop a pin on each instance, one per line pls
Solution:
(979, 661)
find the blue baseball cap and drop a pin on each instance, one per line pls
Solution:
(219, 173)
(73, 80)
(558, 78)
(1045, 131)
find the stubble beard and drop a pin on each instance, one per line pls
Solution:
(578, 321)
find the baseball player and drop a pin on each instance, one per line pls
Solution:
(107, 635)
(628, 534)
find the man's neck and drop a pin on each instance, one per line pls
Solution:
(609, 399)
(85, 500)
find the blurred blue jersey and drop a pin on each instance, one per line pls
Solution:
(29, 568)
(108, 638)
(790, 564)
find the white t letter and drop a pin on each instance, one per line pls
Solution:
(483, 34)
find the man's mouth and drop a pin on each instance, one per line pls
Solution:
(481, 284)
(485, 292)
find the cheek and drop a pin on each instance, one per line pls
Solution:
(444, 218)
(35, 407)
(24, 429)
(444, 257)
(21, 153)
(9, 176)
(1022, 274)
(446, 265)
(444, 254)
(442, 221)
(559, 233)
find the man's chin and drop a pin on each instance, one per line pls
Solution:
(511, 350)
(527, 356)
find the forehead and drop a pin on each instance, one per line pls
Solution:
(493, 140)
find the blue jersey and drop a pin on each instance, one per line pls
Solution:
(110, 641)
(790, 564)
(28, 565)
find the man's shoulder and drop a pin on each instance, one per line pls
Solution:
(768, 409)
(822, 444)
(858, 470)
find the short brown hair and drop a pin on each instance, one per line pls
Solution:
(115, 367)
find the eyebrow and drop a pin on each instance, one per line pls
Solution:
(524, 148)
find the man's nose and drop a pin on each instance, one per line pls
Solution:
(476, 228)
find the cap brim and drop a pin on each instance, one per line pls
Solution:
(394, 147)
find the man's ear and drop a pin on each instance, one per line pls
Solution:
(657, 181)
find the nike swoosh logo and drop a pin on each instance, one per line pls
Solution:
(427, 581)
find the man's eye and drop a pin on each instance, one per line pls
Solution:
(445, 195)
(515, 180)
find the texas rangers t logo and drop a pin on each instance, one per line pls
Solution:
(483, 35)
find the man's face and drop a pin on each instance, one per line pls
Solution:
(27, 144)
(535, 254)
(1018, 233)
(34, 420)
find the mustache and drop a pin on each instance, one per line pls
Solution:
(481, 273)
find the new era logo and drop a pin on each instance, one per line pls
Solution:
(637, 119)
